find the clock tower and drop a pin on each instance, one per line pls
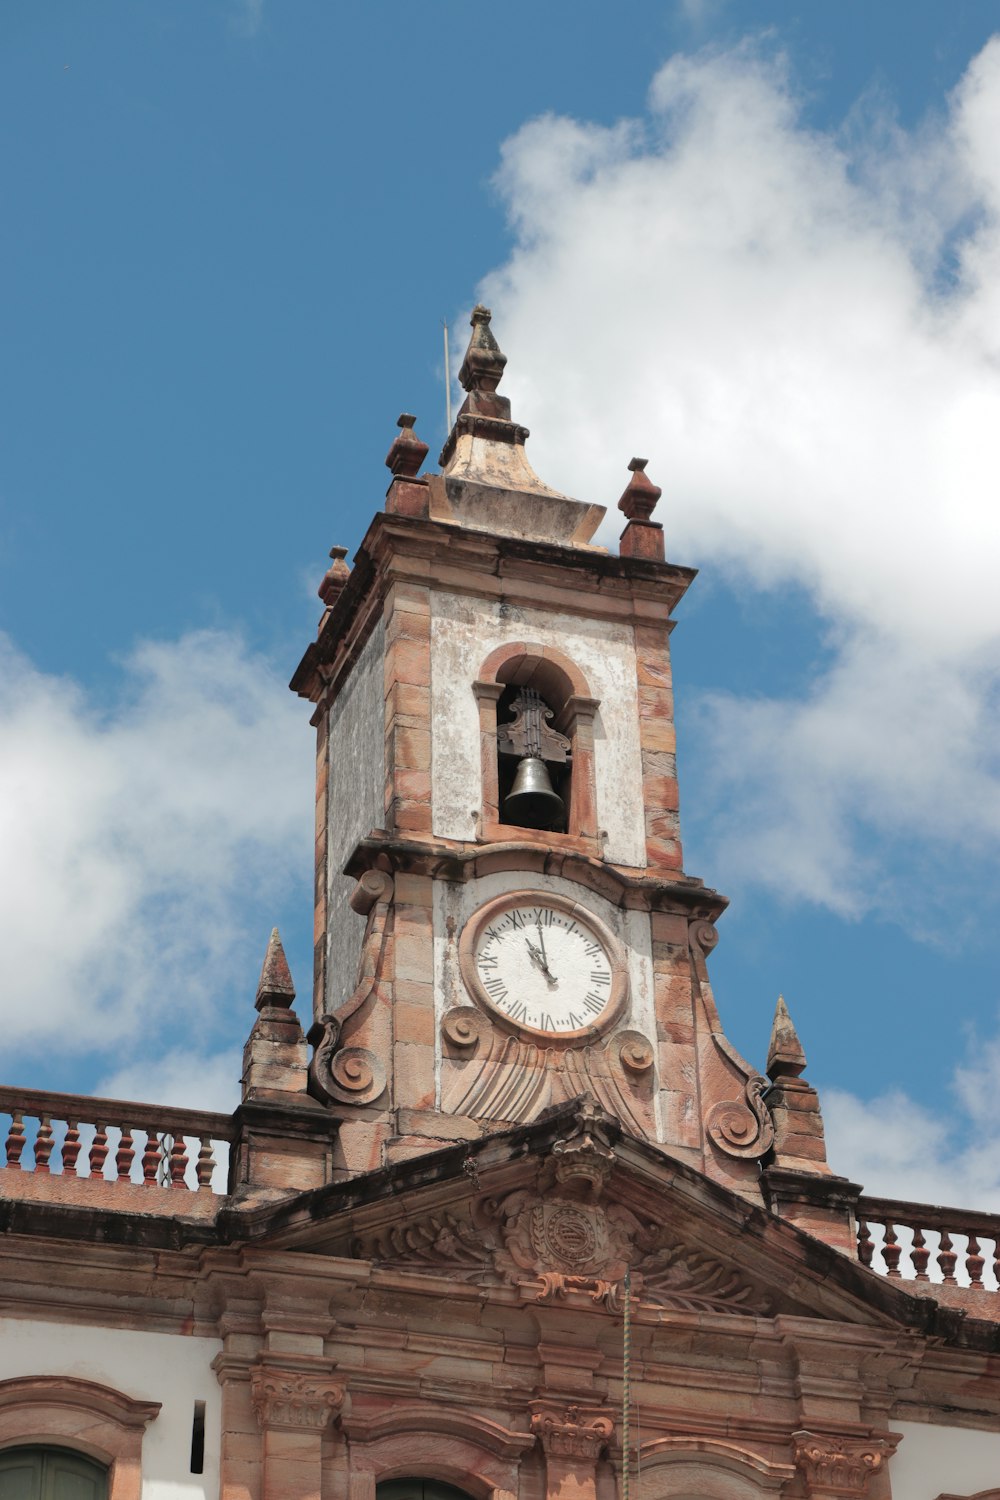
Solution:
(503, 919)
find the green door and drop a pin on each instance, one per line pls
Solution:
(403, 1489)
(50, 1474)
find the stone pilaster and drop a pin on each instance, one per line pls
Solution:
(573, 1438)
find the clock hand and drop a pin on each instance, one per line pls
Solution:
(538, 957)
(541, 939)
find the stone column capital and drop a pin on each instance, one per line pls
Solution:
(839, 1465)
(297, 1399)
(572, 1431)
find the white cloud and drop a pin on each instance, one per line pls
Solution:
(248, 17)
(137, 844)
(802, 331)
(947, 1153)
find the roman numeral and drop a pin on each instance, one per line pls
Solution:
(575, 1021)
(517, 1011)
(594, 1004)
(592, 950)
(496, 987)
(596, 977)
(490, 961)
(492, 934)
(546, 1023)
(517, 920)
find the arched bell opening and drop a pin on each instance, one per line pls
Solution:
(536, 719)
(534, 762)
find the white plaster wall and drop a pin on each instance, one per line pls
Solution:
(463, 632)
(356, 804)
(165, 1367)
(932, 1461)
(454, 904)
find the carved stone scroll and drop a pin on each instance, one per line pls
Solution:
(742, 1127)
(354, 1075)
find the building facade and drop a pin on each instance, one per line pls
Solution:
(513, 1218)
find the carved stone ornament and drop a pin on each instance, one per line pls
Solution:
(573, 1432)
(292, 1399)
(439, 1242)
(742, 1127)
(564, 1239)
(354, 1075)
(839, 1465)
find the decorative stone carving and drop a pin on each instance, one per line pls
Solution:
(515, 1077)
(839, 1465)
(573, 1432)
(688, 1279)
(563, 1238)
(440, 1241)
(354, 1075)
(466, 1028)
(293, 1399)
(704, 935)
(742, 1127)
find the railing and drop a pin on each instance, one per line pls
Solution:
(74, 1136)
(956, 1235)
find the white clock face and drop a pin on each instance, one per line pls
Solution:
(544, 966)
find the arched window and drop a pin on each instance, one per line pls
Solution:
(50, 1474)
(535, 703)
(62, 1415)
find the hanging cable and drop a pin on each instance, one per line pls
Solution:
(626, 1380)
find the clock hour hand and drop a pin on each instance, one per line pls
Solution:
(538, 957)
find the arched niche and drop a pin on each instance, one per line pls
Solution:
(562, 686)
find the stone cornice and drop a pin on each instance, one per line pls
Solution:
(463, 560)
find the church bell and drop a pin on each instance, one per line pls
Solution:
(531, 801)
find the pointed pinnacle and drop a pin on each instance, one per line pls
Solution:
(785, 1057)
(275, 987)
(484, 360)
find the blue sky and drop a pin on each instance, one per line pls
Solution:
(757, 242)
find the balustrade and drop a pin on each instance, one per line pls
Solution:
(920, 1242)
(114, 1139)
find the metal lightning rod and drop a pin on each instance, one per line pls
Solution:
(447, 379)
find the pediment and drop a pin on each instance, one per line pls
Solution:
(562, 1211)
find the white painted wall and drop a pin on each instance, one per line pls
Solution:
(356, 804)
(164, 1367)
(454, 904)
(463, 632)
(932, 1461)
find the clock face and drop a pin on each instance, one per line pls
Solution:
(545, 965)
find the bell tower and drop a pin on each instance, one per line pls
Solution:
(503, 920)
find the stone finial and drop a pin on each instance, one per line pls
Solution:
(642, 537)
(483, 365)
(407, 452)
(275, 987)
(785, 1057)
(334, 578)
(640, 495)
